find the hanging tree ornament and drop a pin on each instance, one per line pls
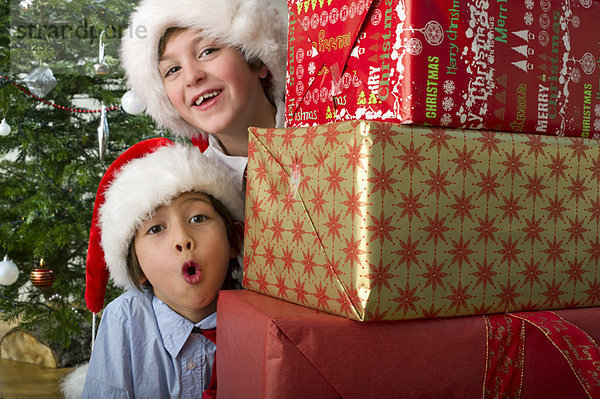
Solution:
(42, 275)
(102, 134)
(132, 104)
(40, 81)
(8, 272)
(4, 128)
(101, 67)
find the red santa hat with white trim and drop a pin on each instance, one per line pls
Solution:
(149, 174)
(253, 26)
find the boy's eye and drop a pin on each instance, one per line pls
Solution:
(155, 229)
(208, 51)
(198, 219)
(172, 70)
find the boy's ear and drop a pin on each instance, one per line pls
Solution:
(263, 72)
(237, 239)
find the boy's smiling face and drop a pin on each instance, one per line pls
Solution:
(184, 252)
(213, 88)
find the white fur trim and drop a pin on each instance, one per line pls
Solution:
(144, 184)
(72, 385)
(254, 26)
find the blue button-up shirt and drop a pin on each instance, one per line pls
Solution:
(144, 349)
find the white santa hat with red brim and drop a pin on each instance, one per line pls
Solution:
(149, 174)
(253, 26)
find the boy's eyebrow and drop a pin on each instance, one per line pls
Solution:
(197, 39)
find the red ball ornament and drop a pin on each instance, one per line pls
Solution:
(42, 275)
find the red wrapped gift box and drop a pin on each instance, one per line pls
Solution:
(523, 66)
(270, 348)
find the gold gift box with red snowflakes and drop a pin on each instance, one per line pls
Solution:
(381, 221)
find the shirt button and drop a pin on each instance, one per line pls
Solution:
(190, 365)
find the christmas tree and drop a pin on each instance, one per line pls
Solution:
(56, 152)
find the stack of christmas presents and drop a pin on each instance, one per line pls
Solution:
(428, 224)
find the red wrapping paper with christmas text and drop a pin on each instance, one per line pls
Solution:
(521, 66)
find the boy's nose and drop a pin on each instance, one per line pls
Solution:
(184, 244)
(194, 74)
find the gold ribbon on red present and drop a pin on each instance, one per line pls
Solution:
(506, 345)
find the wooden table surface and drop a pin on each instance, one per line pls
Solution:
(20, 380)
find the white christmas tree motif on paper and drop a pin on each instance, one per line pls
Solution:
(524, 34)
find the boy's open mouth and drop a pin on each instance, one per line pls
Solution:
(206, 96)
(191, 272)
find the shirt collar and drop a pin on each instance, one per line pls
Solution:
(176, 329)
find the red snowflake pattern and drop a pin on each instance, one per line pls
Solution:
(431, 313)
(318, 201)
(579, 148)
(381, 228)
(459, 296)
(406, 299)
(377, 315)
(575, 271)
(300, 291)
(555, 208)
(380, 275)
(309, 136)
(533, 229)
(355, 155)
(353, 203)
(595, 169)
(333, 225)
(532, 272)
(508, 295)
(463, 207)
(287, 259)
(535, 186)
(331, 135)
(273, 194)
(464, 161)
(259, 172)
(594, 251)
(267, 136)
(485, 274)
(486, 229)
(439, 138)
(509, 251)
(321, 295)
(334, 178)
(269, 256)
(593, 292)
(511, 207)
(553, 293)
(411, 158)
(536, 145)
(288, 136)
(594, 210)
(261, 281)
(384, 134)
(436, 228)
(347, 300)
(577, 188)
(282, 287)
(438, 182)
(461, 252)
(488, 184)
(333, 271)
(577, 229)
(557, 166)
(353, 251)
(434, 275)
(554, 250)
(489, 142)
(321, 159)
(309, 264)
(276, 227)
(298, 231)
(410, 205)
(256, 209)
(383, 180)
(409, 252)
(512, 164)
